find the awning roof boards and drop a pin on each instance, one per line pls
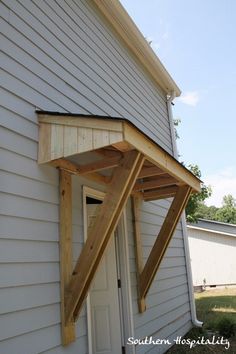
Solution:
(113, 152)
(64, 136)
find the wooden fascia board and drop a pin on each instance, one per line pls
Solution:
(133, 38)
(115, 199)
(159, 157)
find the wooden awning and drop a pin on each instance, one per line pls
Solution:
(115, 153)
(62, 136)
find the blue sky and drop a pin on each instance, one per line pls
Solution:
(196, 41)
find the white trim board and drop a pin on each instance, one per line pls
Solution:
(210, 230)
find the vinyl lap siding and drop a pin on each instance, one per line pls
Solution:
(61, 56)
(29, 255)
(168, 309)
(86, 69)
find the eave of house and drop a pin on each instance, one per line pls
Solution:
(126, 29)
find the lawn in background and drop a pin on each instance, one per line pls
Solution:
(211, 306)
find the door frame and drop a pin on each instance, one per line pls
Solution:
(125, 297)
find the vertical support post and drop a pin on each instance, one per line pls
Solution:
(136, 202)
(68, 331)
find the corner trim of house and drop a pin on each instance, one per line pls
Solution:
(195, 321)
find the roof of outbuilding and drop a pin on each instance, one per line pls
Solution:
(216, 227)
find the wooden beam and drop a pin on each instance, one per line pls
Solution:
(67, 330)
(136, 201)
(109, 152)
(154, 183)
(75, 170)
(161, 193)
(160, 157)
(108, 216)
(163, 239)
(65, 165)
(100, 165)
(122, 146)
(151, 171)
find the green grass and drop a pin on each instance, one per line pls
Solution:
(212, 308)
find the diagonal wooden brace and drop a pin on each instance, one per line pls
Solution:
(163, 239)
(108, 216)
(116, 217)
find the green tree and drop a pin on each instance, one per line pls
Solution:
(206, 212)
(227, 213)
(196, 200)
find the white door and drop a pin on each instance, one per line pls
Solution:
(104, 299)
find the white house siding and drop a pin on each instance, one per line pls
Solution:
(212, 257)
(61, 56)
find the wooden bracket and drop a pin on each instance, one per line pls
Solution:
(108, 216)
(68, 330)
(75, 170)
(148, 272)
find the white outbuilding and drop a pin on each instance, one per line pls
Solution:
(212, 247)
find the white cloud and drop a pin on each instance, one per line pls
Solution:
(223, 182)
(190, 98)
